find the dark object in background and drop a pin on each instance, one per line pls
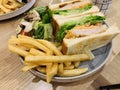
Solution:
(104, 5)
(109, 87)
(23, 1)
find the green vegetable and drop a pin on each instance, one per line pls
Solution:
(39, 31)
(44, 14)
(69, 25)
(41, 10)
(43, 31)
(72, 11)
(46, 18)
(36, 24)
(48, 31)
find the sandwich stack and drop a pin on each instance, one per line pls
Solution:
(79, 24)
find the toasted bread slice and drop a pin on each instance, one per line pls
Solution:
(69, 5)
(94, 9)
(77, 45)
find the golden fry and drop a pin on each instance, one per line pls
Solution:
(41, 69)
(69, 67)
(9, 4)
(60, 68)
(27, 45)
(40, 64)
(49, 66)
(26, 68)
(67, 63)
(17, 50)
(73, 72)
(36, 52)
(1, 11)
(50, 46)
(5, 9)
(13, 41)
(89, 53)
(53, 72)
(76, 64)
(36, 44)
(58, 59)
(23, 37)
(48, 71)
(24, 48)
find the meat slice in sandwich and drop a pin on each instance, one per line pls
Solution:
(90, 38)
(82, 31)
(66, 24)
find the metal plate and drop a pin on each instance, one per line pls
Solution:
(18, 11)
(101, 57)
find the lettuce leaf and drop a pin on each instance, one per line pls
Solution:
(43, 31)
(39, 31)
(44, 14)
(48, 32)
(72, 11)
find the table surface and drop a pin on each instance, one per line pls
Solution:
(11, 76)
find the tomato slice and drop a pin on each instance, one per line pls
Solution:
(22, 32)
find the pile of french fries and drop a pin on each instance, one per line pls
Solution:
(7, 6)
(46, 57)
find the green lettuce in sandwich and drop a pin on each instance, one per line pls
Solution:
(63, 25)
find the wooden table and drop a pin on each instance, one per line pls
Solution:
(11, 76)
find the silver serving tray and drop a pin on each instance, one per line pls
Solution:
(101, 57)
(19, 11)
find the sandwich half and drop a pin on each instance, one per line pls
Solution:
(69, 10)
(66, 24)
(90, 39)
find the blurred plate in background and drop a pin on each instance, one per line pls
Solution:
(19, 11)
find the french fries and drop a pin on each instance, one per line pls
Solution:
(36, 52)
(17, 50)
(89, 53)
(36, 44)
(73, 72)
(7, 6)
(57, 59)
(26, 68)
(69, 67)
(46, 58)
(67, 63)
(50, 46)
(41, 69)
(76, 64)
(61, 68)
(52, 72)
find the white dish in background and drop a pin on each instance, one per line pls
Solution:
(19, 11)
